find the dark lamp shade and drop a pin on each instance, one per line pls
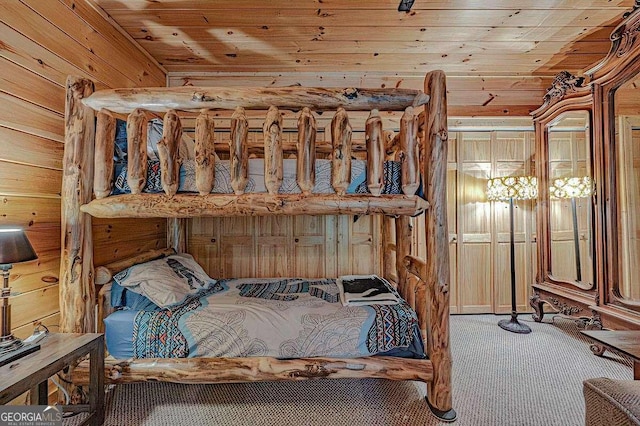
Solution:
(15, 246)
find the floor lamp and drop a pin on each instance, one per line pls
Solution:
(510, 188)
(572, 188)
(14, 248)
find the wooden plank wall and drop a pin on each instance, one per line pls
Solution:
(41, 43)
(300, 246)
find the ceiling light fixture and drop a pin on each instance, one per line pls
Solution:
(405, 5)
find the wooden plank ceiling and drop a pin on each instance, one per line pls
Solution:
(499, 55)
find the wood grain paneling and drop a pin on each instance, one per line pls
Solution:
(352, 18)
(372, 4)
(18, 179)
(333, 42)
(17, 114)
(30, 149)
(306, 246)
(42, 43)
(24, 84)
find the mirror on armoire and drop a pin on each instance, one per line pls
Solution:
(627, 152)
(570, 189)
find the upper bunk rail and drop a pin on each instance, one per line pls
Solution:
(406, 147)
(194, 99)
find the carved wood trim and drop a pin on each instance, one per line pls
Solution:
(563, 84)
(563, 307)
(624, 41)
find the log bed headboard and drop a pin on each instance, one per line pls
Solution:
(422, 142)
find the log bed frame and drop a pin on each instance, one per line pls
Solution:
(88, 179)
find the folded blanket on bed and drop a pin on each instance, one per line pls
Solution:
(360, 290)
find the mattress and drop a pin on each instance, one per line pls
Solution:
(282, 318)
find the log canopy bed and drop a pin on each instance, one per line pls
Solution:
(420, 150)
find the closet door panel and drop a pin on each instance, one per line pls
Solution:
(311, 252)
(272, 245)
(237, 247)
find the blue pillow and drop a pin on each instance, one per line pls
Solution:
(121, 297)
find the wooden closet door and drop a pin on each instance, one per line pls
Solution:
(475, 290)
(479, 229)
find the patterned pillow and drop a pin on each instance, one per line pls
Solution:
(167, 281)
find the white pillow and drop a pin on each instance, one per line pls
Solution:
(167, 281)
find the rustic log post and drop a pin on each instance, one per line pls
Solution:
(168, 153)
(273, 165)
(410, 151)
(137, 124)
(77, 292)
(177, 234)
(256, 369)
(205, 154)
(391, 145)
(387, 244)
(422, 309)
(239, 151)
(341, 155)
(306, 164)
(403, 248)
(374, 138)
(438, 350)
(103, 164)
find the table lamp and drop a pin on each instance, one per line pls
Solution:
(14, 248)
(572, 188)
(511, 188)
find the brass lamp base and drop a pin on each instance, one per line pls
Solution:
(9, 343)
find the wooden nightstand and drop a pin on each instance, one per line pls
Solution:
(57, 351)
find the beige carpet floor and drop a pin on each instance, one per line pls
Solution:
(499, 378)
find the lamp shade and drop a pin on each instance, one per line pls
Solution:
(15, 246)
(515, 187)
(571, 187)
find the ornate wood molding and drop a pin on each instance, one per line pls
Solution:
(624, 37)
(563, 83)
(564, 308)
(537, 304)
(595, 322)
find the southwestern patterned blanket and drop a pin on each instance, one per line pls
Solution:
(282, 318)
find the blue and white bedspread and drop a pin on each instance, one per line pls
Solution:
(282, 318)
(222, 184)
